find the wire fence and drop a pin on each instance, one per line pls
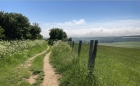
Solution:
(114, 66)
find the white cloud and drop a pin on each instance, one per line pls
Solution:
(80, 28)
(71, 23)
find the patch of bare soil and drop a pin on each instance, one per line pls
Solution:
(50, 78)
(32, 79)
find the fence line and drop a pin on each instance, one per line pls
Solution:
(120, 55)
(79, 47)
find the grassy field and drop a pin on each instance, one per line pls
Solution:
(14, 54)
(123, 44)
(114, 66)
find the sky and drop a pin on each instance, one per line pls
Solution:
(80, 18)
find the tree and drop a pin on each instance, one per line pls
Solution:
(70, 39)
(64, 36)
(35, 31)
(57, 34)
(17, 26)
(2, 36)
(1, 17)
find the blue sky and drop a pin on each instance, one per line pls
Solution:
(80, 18)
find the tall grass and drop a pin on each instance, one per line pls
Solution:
(10, 73)
(114, 66)
(9, 47)
(74, 71)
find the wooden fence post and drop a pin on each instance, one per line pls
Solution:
(90, 60)
(95, 52)
(72, 44)
(92, 55)
(79, 47)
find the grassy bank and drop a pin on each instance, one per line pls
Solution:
(114, 66)
(67, 63)
(10, 73)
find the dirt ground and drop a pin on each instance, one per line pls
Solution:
(50, 78)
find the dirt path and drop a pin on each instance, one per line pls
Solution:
(28, 63)
(50, 78)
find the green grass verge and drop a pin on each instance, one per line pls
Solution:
(114, 66)
(67, 63)
(10, 73)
